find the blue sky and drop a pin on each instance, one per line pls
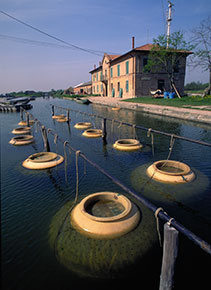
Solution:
(100, 25)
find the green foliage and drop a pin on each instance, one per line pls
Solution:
(167, 60)
(194, 86)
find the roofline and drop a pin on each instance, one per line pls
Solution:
(95, 69)
(139, 51)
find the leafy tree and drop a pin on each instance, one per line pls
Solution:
(166, 59)
(194, 86)
(202, 53)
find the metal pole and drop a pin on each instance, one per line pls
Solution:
(169, 19)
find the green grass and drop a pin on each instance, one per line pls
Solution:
(188, 101)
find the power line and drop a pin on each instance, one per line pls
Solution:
(35, 42)
(51, 36)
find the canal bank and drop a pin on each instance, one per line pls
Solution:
(196, 115)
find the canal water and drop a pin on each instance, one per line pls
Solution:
(30, 199)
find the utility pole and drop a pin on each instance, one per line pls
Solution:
(169, 19)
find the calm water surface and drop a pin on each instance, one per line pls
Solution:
(30, 199)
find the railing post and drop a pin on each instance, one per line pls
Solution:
(170, 251)
(27, 120)
(45, 140)
(68, 116)
(104, 131)
(52, 110)
(21, 113)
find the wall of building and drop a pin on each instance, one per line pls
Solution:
(83, 90)
(121, 82)
(125, 77)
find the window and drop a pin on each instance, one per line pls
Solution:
(176, 66)
(97, 88)
(127, 67)
(118, 86)
(145, 61)
(101, 88)
(118, 70)
(111, 72)
(127, 86)
(97, 77)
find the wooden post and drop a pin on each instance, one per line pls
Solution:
(21, 113)
(52, 110)
(27, 120)
(68, 116)
(45, 140)
(170, 250)
(104, 131)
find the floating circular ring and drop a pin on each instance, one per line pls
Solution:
(83, 125)
(115, 109)
(58, 116)
(170, 171)
(105, 215)
(101, 257)
(92, 133)
(22, 140)
(127, 145)
(43, 160)
(62, 119)
(24, 123)
(21, 130)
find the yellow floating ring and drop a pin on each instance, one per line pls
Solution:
(58, 116)
(62, 120)
(24, 123)
(170, 171)
(105, 215)
(92, 133)
(115, 109)
(83, 125)
(21, 130)
(43, 160)
(22, 140)
(127, 145)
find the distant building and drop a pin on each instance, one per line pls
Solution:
(124, 76)
(83, 88)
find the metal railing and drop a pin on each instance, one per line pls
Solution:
(171, 228)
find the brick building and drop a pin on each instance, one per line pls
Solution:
(124, 75)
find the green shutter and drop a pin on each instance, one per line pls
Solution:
(118, 70)
(127, 67)
(127, 86)
(111, 72)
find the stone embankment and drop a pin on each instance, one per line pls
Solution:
(196, 115)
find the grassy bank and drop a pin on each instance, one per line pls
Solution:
(185, 102)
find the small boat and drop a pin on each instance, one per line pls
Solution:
(82, 101)
(14, 104)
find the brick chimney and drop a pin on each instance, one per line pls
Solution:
(133, 42)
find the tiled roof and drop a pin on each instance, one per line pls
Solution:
(145, 47)
(113, 56)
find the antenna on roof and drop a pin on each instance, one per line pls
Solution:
(169, 19)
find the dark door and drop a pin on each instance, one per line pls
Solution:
(161, 85)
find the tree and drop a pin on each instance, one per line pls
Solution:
(166, 59)
(202, 54)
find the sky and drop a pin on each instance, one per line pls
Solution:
(30, 60)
